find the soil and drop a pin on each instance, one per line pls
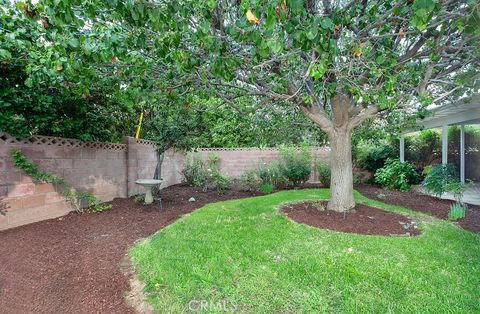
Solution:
(362, 219)
(72, 264)
(424, 203)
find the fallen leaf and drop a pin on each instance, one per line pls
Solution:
(252, 18)
(277, 11)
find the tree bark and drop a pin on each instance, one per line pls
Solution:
(341, 182)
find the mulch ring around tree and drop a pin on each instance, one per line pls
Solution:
(362, 220)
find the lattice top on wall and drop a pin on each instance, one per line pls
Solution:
(251, 148)
(6, 138)
(146, 142)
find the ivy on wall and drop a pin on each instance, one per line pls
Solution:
(75, 198)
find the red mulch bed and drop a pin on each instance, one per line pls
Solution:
(362, 220)
(428, 204)
(71, 264)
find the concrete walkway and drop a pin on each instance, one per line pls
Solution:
(471, 196)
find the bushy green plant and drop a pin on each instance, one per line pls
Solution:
(90, 202)
(457, 211)
(273, 173)
(357, 177)
(324, 172)
(441, 179)
(396, 175)
(266, 188)
(264, 175)
(373, 156)
(194, 169)
(213, 176)
(292, 169)
(295, 164)
(250, 181)
(423, 149)
(204, 174)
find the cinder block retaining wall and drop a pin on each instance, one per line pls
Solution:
(107, 170)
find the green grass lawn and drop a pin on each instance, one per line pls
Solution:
(248, 256)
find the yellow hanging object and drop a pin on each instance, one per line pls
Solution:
(139, 125)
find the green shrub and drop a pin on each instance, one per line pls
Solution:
(295, 164)
(250, 181)
(324, 173)
(204, 174)
(396, 175)
(441, 179)
(272, 173)
(266, 188)
(373, 156)
(423, 149)
(357, 177)
(264, 175)
(292, 169)
(457, 211)
(194, 169)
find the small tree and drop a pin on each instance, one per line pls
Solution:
(340, 62)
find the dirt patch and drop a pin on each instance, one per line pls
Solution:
(72, 264)
(362, 220)
(424, 203)
(135, 298)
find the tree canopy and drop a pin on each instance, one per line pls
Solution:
(339, 62)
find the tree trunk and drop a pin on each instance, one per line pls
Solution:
(341, 184)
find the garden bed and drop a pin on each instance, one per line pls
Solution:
(362, 220)
(71, 264)
(424, 203)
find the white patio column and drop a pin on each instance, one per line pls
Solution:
(462, 153)
(402, 148)
(444, 144)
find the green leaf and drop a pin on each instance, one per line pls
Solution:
(318, 70)
(29, 82)
(212, 4)
(275, 46)
(5, 54)
(327, 23)
(312, 33)
(74, 43)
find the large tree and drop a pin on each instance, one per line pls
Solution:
(341, 62)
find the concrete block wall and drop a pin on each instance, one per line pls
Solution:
(234, 162)
(99, 168)
(106, 170)
(141, 163)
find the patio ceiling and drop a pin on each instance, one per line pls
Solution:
(465, 111)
